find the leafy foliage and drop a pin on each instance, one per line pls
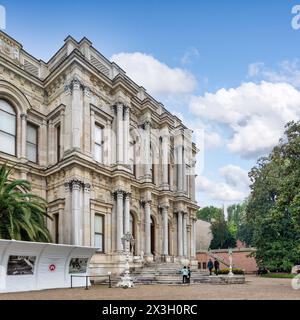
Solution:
(209, 213)
(22, 214)
(222, 238)
(273, 208)
(239, 226)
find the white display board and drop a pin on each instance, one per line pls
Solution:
(28, 266)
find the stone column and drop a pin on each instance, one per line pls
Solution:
(86, 120)
(108, 226)
(179, 165)
(148, 228)
(184, 231)
(62, 133)
(193, 238)
(179, 234)
(165, 160)
(120, 228)
(93, 133)
(77, 114)
(52, 143)
(76, 214)
(86, 215)
(193, 182)
(120, 134)
(108, 144)
(189, 241)
(23, 135)
(61, 213)
(43, 146)
(184, 173)
(114, 223)
(126, 134)
(67, 217)
(165, 218)
(148, 161)
(127, 213)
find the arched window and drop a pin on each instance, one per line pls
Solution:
(7, 128)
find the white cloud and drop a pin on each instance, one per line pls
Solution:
(235, 176)
(235, 188)
(212, 140)
(155, 76)
(190, 54)
(286, 71)
(255, 113)
(220, 191)
(254, 69)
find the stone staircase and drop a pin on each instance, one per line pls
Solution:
(157, 273)
(161, 273)
(164, 273)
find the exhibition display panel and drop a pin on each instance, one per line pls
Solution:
(28, 266)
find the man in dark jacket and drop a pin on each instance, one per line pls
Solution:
(210, 266)
(217, 267)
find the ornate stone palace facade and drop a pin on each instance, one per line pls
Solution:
(108, 158)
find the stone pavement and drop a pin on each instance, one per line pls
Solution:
(254, 289)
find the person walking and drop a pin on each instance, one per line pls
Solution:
(217, 267)
(185, 273)
(210, 266)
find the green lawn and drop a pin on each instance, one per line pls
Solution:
(279, 275)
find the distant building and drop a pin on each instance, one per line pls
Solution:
(203, 235)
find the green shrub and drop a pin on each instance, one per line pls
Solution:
(279, 275)
(235, 271)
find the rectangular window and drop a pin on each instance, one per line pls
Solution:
(32, 143)
(99, 232)
(98, 143)
(58, 146)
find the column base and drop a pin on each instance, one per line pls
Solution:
(167, 258)
(146, 178)
(149, 258)
(165, 187)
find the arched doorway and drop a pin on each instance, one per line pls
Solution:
(152, 236)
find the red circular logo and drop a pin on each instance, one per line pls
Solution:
(52, 267)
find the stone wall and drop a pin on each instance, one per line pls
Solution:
(241, 259)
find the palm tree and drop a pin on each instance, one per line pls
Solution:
(22, 214)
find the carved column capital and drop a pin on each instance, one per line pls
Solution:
(67, 186)
(75, 84)
(118, 193)
(127, 195)
(87, 91)
(87, 187)
(76, 184)
(146, 125)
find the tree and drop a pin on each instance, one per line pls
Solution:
(222, 237)
(274, 205)
(22, 214)
(239, 226)
(209, 213)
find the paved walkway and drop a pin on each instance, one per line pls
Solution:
(254, 289)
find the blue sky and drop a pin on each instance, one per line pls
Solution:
(236, 63)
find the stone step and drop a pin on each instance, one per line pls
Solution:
(171, 281)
